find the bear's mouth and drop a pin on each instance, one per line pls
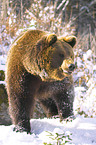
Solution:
(67, 72)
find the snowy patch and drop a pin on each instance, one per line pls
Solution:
(83, 132)
(3, 59)
(3, 82)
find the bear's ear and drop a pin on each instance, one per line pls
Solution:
(51, 38)
(69, 39)
(46, 41)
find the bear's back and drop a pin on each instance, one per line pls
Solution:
(29, 36)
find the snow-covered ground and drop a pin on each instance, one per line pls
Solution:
(83, 132)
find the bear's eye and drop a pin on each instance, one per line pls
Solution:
(61, 55)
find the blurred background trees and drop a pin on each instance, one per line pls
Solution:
(82, 13)
(60, 16)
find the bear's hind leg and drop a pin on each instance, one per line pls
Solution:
(49, 107)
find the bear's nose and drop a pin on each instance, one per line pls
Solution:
(71, 67)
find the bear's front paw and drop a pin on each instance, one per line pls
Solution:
(70, 118)
(18, 128)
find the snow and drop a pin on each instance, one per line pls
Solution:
(83, 132)
(87, 55)
(3, 82)
(3, 59)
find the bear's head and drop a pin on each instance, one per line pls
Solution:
(49, 56)
(55, 57)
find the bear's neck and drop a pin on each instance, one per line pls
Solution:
(33, 62)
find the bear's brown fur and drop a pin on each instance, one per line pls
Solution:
(39, 67)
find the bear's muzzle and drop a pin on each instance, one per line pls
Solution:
(68, 66)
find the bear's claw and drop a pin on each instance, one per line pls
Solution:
(18, 128)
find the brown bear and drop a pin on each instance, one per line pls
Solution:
(39, 67)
